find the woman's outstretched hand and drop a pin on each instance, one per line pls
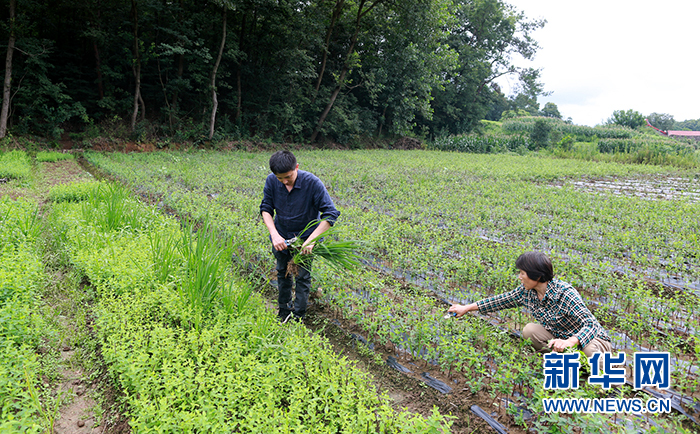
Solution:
(459, 309)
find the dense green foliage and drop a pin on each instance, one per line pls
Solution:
(662, 121)
(452, 225)
(627, 118)
(540, 134)
(527, 125)
(483, 144)
(293, 70)
(690, 125)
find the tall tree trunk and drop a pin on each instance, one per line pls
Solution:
(214, 100)
(165, 96)
(98, 69)
(142, 113)
(334, 17)
(180, 70)
(239, 87)
(239, 91)
(96, 49)
(136, 66)
(4, 114)
(346, 66)
(381, 124)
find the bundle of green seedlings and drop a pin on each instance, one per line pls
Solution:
(338, 253)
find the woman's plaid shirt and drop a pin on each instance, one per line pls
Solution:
(562, 311)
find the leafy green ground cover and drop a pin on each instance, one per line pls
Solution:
(452, 224)
(190, 345)
(23, 401)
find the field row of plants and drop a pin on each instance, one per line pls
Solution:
(14, 165)
(189, 344)
(661, 145)
(444, 227)
(483, 144)
(527, 125)
(23, 403)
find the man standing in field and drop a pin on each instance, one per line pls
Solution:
(292, 199)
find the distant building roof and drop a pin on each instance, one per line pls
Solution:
(684, 133)
(693, 134)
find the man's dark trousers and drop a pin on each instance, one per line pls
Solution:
(285, 283)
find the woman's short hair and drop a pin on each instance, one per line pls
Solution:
(536, 265)
(282, 162)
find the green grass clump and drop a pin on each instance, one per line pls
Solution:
(73, 192)
(15, 165)
(52, 156)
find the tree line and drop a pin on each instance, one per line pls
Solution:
(284, 70)
(663, 121)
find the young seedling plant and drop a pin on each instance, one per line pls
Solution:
(339, 254)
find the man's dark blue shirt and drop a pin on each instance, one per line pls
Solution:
(293, 210)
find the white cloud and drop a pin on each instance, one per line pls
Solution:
(601, 56)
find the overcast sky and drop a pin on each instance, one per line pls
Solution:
(600, 56)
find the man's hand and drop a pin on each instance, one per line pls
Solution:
(307, 248)
(308, 245)
(278, 242)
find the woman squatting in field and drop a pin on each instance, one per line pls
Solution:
(564, 319)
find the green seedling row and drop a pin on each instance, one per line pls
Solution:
(24, 404)
(447, 227)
